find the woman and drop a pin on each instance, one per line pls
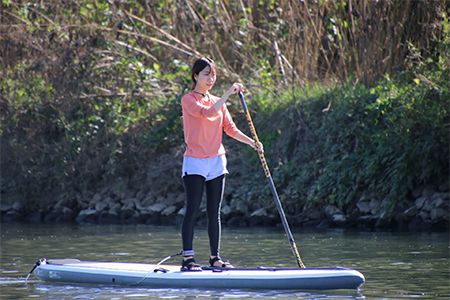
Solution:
(205, 117)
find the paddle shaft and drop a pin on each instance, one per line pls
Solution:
(271, 183)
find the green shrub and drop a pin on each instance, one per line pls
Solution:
(343, 143)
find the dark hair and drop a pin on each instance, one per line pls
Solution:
(199, 65)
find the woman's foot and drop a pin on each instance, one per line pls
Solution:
(217, 262)
(188, 264)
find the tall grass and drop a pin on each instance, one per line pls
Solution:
(90, 89)
(292, 41)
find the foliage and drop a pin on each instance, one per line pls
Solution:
(341, 144)
(90, 92)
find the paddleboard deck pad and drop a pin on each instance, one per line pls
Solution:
(169, 276)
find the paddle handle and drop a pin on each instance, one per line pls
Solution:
(276, 199)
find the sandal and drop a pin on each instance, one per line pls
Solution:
(190, 265)
(213, 261)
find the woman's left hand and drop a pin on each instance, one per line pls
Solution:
(258, 146)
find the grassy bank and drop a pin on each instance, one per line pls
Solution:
(325, 145)
(342, 144)
(90, 95)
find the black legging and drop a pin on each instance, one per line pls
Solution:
(194, 185)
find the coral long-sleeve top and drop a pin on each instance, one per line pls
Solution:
(203, 125)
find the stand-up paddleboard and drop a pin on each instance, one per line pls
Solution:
(167, 276)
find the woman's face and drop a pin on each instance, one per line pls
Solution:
(205, 79)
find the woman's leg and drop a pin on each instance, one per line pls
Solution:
(214, 195)
(193, 185)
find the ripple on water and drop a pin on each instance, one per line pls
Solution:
(16, 280)
(9, 271)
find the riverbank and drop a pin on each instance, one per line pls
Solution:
(349, 154)
(429, 210)
(343, 156)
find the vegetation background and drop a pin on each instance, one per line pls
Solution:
(350, 98)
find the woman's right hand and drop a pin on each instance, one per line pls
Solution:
(235, 88)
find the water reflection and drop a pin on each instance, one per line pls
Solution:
(396, 265)
(57, 291)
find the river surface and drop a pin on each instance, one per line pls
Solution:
(395, 264)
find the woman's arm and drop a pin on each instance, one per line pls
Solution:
(243, 138)
(234, 89)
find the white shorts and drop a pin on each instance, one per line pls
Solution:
(210, 168)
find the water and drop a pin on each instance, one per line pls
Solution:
(396, 265)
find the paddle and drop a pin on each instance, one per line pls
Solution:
(271, 184)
